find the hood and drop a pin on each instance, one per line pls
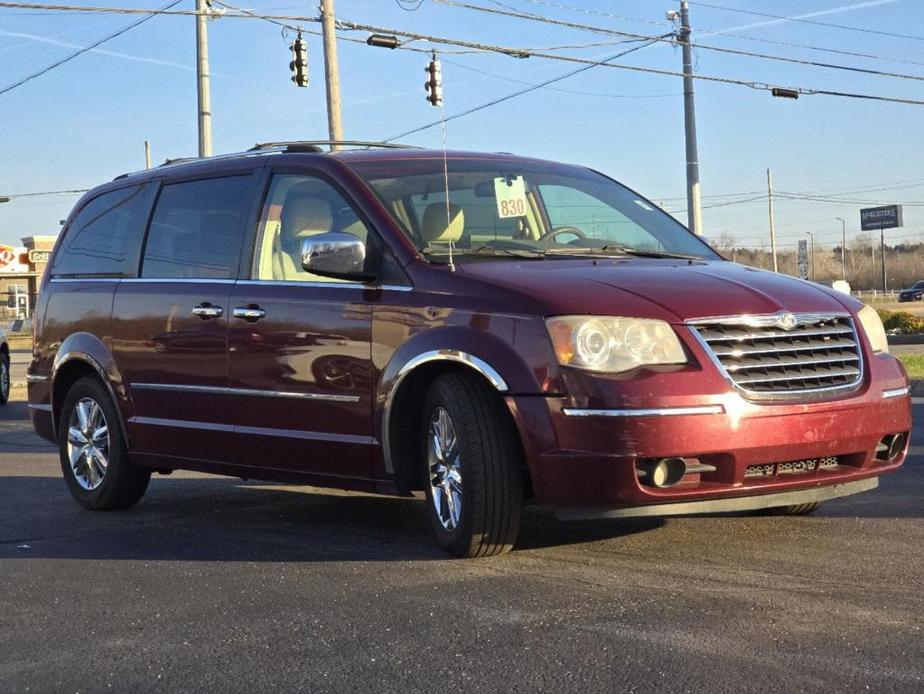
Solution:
(672, 290)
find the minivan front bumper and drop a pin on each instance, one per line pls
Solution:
(588, 456)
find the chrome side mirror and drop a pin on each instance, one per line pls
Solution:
(334, 254)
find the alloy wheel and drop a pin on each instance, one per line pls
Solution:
(445, 467)
(88, 443)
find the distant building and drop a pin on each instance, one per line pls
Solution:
(21, 270)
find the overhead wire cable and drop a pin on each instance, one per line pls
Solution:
(674, 41)
(66, 59)
(489, 48)
(804, 20)
(533, 87)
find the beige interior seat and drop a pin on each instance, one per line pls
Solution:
(303, 216)
(434, 227)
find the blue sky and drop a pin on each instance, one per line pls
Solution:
(86, 121)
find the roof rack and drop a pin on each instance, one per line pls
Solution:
(315, 145)
(285, 147)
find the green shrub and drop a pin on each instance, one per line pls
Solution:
(902, 322)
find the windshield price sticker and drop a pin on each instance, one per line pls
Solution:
(511, 196)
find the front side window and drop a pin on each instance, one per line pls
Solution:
(525, 208)
(104, 239)
(297, 208)
(197, 228)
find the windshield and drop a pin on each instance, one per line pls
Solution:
(524, 209)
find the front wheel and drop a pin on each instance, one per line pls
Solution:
(94, 458)
(473, 462)
(796, 509)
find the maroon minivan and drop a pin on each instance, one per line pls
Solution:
(487, 328)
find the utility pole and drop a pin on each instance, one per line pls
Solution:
(812, 253)
(776, 267)
(843, 245)
(331, 72)
(694, 205)
(885, 287)
(202, 80)
(147, 154)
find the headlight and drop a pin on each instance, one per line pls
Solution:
(612, 345)
(872, 326)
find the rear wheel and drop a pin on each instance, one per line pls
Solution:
(474, 486)
(93, 454)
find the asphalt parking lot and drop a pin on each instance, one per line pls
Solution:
(213, 584)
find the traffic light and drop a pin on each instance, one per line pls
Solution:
(299, 64)
(434, 83)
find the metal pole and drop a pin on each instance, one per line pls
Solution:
(202, 80)
(147, 154)
(885, 287)
(694, 205)
(776, 267)
(331, 72)
(813, 257)
(843, 245)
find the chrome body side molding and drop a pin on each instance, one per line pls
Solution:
(896, 392)
(220, 390)
(652, 412)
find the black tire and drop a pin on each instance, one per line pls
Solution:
(4, 378)
(796, 509)
(122, 484)
(490, 462)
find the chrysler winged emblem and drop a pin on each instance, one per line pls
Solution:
(786, 321)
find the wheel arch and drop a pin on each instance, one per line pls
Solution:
(84, 354)
(405, 381)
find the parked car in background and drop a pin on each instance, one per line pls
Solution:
(4, 368)
(486, 328)
(913, 293)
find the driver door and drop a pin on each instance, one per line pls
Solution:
(300, 344)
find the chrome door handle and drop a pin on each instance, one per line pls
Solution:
(250, 313)
(207, 310)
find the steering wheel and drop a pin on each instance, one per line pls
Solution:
(550, 236)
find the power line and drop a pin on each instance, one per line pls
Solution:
(489, 48)
(44, 193)
(558, 89)
(520, 92)
(85, 49)
(801, 20)
(733, 51)
(718, 32)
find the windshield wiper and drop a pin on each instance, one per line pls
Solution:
(648, 253)
(485, 250)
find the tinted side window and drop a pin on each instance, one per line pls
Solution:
(196, 229)
(105, 237)
(297, 208)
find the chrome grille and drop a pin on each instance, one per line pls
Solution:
(765, 359)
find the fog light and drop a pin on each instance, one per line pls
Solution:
(662, 473)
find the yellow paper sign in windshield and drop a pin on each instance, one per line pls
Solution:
(511, 196)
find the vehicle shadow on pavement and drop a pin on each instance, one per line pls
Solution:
(216, 519)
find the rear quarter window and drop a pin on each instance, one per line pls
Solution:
(197, 228)
(104, 239)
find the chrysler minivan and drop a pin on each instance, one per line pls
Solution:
(488, 329)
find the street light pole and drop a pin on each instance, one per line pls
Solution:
(812, 253)
(694, 205)
(202, 80)
(843, 245)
